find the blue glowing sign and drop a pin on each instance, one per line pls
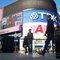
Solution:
(38, 16)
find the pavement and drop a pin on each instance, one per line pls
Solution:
(23, 56)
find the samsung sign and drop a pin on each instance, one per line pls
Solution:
(36, 20)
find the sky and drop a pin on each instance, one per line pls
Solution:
(57, 5)
(4, 3)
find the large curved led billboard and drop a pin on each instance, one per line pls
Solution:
(35, 19)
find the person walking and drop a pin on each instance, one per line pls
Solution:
(25, 44)
(49, 33)
(30, 39)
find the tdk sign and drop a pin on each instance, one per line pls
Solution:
(38, 16)
(35, 15)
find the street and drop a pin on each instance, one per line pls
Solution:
(22, 56)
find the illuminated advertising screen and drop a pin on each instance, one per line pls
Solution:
(36, 20)
(12, 20)
(11, 23)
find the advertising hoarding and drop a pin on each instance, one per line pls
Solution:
(12, 20)
(36, 20)
(11, 23)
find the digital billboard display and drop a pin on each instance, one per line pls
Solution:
(12, 20)
(11, 23)
(36, 20)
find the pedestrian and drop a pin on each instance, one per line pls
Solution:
(49, 33)
(30, 40)
(25, 43)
